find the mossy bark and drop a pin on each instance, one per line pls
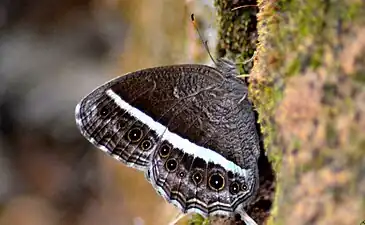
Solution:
(308, 87)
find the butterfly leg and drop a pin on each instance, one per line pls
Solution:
(177, 218)
(245, 217)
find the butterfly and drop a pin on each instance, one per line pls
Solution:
(190, 128)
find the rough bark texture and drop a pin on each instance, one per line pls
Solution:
(308, 86)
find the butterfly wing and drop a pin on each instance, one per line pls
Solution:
(187, 120)
(111, 127)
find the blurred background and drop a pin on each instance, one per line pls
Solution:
(52, 53)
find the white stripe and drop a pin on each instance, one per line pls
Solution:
(178, 142)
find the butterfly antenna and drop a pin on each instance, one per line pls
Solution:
(205, 43)
(247, 60)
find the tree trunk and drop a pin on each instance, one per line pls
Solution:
(308, 87)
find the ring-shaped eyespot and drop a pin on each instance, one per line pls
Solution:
(181, 174)
(171, 165)
(104, 111)
(197, 177)
(216, 181)
(146, 145)
(135, 134)
(164, 150)
(121, 124)
(234, 188)
(244, 187)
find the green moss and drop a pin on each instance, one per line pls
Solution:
(265, 102)
(316, 58)
(197, 219)
(294, 67)
(237, 37)
(359, 76)
(352, 11)
(330, 92)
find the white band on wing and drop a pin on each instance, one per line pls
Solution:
(177, 141)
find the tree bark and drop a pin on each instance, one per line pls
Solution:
(308, 87)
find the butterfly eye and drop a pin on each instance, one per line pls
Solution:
(171, 165)
(164, 150)
(197, 177)
(146, 145)
(216, 182)
(135, 134)
(244, 187)
(234, 188)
